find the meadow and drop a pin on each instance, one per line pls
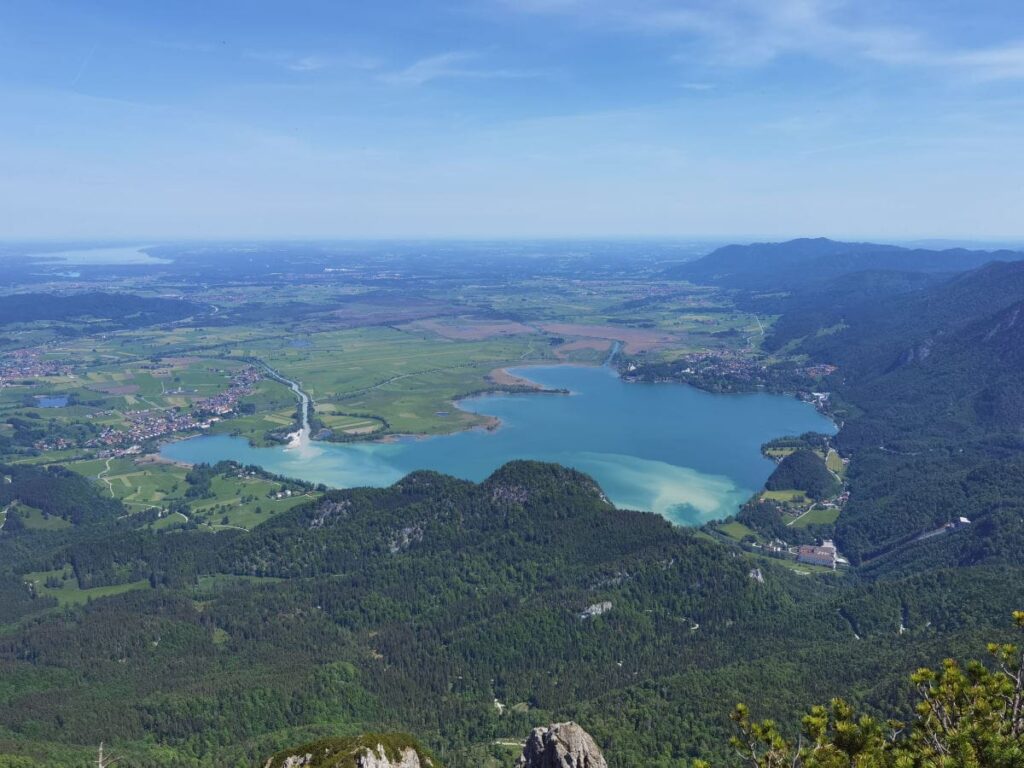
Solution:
(234, 500)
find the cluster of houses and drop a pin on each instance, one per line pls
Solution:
(736, 365)
(28, 363)
(242, 384)
(148, 425)
(820, 370)
(155, 423)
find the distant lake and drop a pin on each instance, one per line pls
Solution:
(686, 454)
(116, 256)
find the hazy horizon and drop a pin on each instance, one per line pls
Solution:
(712, 241)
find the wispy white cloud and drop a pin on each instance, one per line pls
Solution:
(314, 61)
(745, 33)
(453, 64)
(307, 63)
(998, 63)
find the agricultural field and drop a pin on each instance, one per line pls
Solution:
(333, 417)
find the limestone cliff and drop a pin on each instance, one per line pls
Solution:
(367, 751)
(562, 745)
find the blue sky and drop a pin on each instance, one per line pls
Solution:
(207, 119)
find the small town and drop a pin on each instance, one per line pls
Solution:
(142, 426)
(155, 423)
(22, 364)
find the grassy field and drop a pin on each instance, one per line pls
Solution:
(236, 502)
(736, 530)
(816, 516)
(805, 569)
(402, 378)
(242, 502)
(790, 496)
(835, 463)
(138, 485)
(212, 583)
(36, 520)
(68, 593)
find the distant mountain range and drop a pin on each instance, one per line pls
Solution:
(785, 266)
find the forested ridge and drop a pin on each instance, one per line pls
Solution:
(126, 309)
(415, 607)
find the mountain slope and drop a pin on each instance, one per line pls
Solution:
(929, 387)
(805, 262)
(417, 607)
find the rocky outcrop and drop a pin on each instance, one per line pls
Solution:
(407, 758)
(370, 751)
(562, 745)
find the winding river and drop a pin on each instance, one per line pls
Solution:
(668, 448)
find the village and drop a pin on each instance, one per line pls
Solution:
(730, 370)
(139, 427)
(151, 424)
(22, 364)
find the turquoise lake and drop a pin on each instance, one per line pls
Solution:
(686, 454)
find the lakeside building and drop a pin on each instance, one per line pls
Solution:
(825, 555)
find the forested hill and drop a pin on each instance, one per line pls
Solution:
(798, 263)
(128, 309)
(464, 613)
(930, 386)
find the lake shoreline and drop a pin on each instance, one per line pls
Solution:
(689, 455)
(508, 383)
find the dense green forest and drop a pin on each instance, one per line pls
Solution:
(127, 310)
(54, 491)
(416, 607)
